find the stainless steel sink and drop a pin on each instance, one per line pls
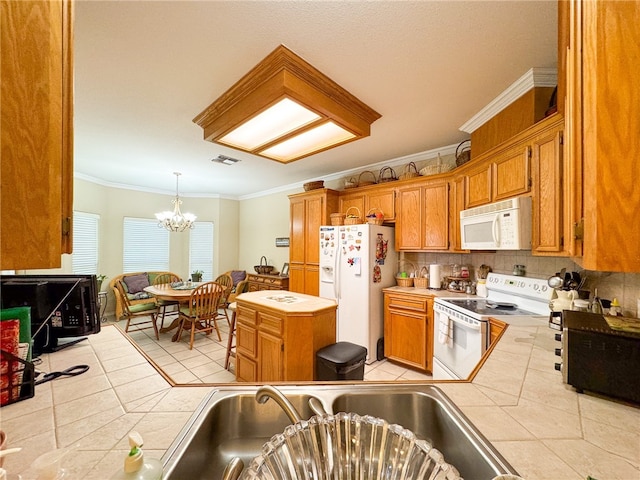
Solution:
(231, 423)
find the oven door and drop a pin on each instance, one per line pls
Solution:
(469, 344)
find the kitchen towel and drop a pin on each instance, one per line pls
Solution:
(435, 279)
(445, 331)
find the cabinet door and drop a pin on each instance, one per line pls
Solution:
(297, 231)
(315, 216)
(406, 338)
(456, 199)
(246, 340)
(478, 186)
(246, 369)
(297, 278)
(312, 280)
(353, 201)
(37, 135)
(436, 216)
(410, 221)
(547, 194)
(383, 199)
(270, 351)
(511, 173)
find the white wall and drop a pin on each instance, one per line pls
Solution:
(262, 220)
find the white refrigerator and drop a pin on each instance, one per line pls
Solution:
(356, 263)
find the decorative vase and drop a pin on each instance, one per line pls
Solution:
(196, 277)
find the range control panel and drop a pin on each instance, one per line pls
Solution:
(535, 288)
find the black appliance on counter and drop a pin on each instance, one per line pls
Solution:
(62, 307)
(598, 358)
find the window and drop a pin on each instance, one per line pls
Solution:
(201, 249)
(145, 246)
(85, 243)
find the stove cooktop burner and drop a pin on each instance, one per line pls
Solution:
(484, 307)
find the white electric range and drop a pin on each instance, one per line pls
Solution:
(461, 331)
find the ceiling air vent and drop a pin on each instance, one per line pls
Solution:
(224, 159)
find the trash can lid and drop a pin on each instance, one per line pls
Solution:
(342, 353)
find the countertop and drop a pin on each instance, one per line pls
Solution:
(285, 301)
(543, 428)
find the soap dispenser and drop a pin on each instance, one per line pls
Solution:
(135, 465)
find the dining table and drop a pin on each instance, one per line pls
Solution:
(178, 293)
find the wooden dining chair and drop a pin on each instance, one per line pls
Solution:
(166, 307)
(140, 316)
(227, 282)
(201, 313)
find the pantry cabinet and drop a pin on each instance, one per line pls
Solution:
(423, 216)
(602, 141)
(308, 211)
(408, 329)
(36, 209)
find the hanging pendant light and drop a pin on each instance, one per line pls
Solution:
(176, 221)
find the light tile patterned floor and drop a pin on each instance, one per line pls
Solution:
(204, 364)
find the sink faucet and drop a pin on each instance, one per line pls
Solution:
(266, 392)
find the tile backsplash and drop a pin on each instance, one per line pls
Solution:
(624, 286)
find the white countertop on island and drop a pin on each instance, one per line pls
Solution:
(285, 301)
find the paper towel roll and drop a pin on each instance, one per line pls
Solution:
(435, 279)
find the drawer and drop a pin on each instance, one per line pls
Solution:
(270, 323)
(415, 304)
(246, 315)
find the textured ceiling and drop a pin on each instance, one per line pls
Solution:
(144, 70)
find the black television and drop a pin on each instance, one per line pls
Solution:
(62, 307)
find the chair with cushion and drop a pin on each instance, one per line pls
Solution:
(227, 282)
(240, 284)
(201, 314)
(140, 316)
(165, 305)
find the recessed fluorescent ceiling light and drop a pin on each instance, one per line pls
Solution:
(225, 160)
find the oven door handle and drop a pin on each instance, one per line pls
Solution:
(474, 326)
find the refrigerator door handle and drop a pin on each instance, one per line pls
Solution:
(336, 273)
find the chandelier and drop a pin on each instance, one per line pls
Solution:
(176, 221)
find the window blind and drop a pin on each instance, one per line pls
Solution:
(84, 258)
(145, 246)
(201, 249)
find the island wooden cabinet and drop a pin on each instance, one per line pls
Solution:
(422, 222)
(601, 139)
(308, 211)
(37, 134)
(277, 338)
(408, 329)
(267, 282)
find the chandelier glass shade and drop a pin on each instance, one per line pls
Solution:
(175, 221)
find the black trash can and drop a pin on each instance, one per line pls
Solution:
(340, 361)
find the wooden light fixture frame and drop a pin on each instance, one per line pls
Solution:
(283, 74)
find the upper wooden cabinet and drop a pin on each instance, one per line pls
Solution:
(548, 230)
(37, 136)
(422, 222)
(308, 211)
(379, 197)
(511, 175)
(478, 185)
(456, 204)
(602, 140)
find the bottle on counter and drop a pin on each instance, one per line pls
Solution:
(615, 310)
(135, 465)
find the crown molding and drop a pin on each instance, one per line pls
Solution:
(535, 77)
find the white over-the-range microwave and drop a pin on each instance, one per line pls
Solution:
(504, 225)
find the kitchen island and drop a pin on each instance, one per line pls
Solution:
(543, 428)
(278, 334)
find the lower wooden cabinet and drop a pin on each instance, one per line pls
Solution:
(267, 282)
(408, 329)
(496, 327)
(277, 342)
